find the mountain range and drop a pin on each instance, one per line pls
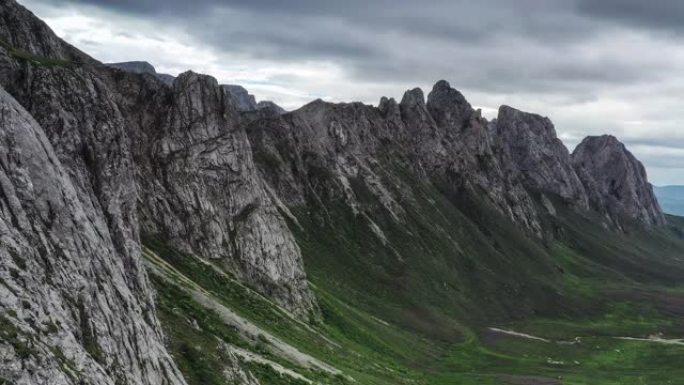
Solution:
(170, 230)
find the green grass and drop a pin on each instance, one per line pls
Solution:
(414, 307)
(13, 336)
(37, 60)
(194, 335)
(377, 352)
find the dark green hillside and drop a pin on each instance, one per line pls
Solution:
(414, 306)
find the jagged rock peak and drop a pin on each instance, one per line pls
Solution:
(448, 106)
(531, 142)
(140, 67)
(269, 105)
(20, 29)
(616, 181)
(189, 77)
(413, 97)
(540, 125)
(243, 100)
(389, 107)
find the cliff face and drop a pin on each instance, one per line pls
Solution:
(616, 182)
(85, 173)
(75, 299)
(92, 157)
(200, 190)
(509, 161)
(531, 143)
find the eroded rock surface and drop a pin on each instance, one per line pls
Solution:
(76, 304)
(616, 181)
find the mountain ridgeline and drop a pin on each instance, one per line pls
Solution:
(142, 214)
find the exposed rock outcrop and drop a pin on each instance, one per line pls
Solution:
(267, 104)
(83, 149)
(201, 190)
(74, 298)
(242, 99)
(245, 102)
(530, 141)
(616, 182)
(143, 67)
(138, 67)
(91, 157)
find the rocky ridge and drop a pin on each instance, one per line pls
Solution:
(616, 181)
(143, 67)
(93, 157)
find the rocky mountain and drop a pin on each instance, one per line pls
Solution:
(244, 101)
(412, 218)
(143, 67)
(616, 181)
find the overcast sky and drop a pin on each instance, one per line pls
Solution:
(593, 67)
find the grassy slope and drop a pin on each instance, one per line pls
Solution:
(415, 310)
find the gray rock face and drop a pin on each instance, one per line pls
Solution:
(507, 161)
(22, 30)
(166, 78)
(243, 100)
(531, 142)
(313, 153)
(267, 104)
(246, 102)
(143, 67)
(92, 158)
(201, 191)
(449, 107)
(182, 151)
(616, 181)
(138, 67)
(75, 296)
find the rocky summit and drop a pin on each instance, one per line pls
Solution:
(171, 230)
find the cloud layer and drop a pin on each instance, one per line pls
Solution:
(594, 67)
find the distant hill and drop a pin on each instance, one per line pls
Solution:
(671, 199)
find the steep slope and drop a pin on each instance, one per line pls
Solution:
(420, 224)
(531, 142)
(143, 67)
(75, 305)
(93, 284)
(181, 151)
(616, 181)
(200, 190)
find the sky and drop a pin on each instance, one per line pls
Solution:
(593, 67)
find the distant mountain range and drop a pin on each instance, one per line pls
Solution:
(671, 199)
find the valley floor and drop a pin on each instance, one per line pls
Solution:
(210, 319)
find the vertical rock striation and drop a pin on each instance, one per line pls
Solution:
(92, 156)
(76, 305)
(616, 182)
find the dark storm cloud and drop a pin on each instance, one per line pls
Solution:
(595, 64)
(374, 39)
(656, 15)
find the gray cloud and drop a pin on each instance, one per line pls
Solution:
(592, 66)
(659, 15)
